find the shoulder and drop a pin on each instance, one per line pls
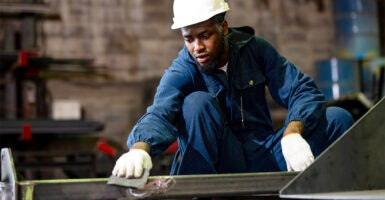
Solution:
(183, 65)
(184, 60)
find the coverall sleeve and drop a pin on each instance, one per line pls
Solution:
(157, 126)
(291, 88)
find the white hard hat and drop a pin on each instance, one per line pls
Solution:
(189, 12)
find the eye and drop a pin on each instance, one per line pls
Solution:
(205, 36)
(188, 39)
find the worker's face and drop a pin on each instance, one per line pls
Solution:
(207, 44)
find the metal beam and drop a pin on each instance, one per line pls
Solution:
(159, 187)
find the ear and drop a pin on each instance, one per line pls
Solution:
(225, 27)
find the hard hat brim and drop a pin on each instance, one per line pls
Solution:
(177, 25)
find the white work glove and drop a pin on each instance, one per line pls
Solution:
(132, 164)
(297, 152)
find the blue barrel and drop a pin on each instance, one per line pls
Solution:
(337, 77)
(356, 28)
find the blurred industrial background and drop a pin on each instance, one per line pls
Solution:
(76, 75)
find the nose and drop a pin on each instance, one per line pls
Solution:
(198, 46)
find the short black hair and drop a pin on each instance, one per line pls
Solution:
(219, 18)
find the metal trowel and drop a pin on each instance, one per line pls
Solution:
(130, 182)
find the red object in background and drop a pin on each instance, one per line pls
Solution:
(27, 133)
(23, 58)
(106, 148)
(172, 148)
(24, 55)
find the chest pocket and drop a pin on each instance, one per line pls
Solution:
(250, 89)
(248, 79)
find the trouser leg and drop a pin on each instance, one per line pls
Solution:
(331, 126)
(334, 123)
(206, 146)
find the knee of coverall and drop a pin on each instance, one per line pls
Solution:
(197, 103)
(332, 125)
(200, 123)
(194, 104)
(200, 111)
(339, 117)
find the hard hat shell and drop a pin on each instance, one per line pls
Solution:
(189, 12)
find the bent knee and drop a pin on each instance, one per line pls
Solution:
(340, 116)
(197, 100)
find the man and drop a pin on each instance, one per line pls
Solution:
(212, 100)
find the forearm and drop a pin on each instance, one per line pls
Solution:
(141, 145)
(294, 127)
(295, 149)
(154, 132)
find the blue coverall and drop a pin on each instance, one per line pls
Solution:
(222, 121)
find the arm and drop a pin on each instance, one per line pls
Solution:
(298, 93)
(295, 149)
(290, 87)
(156, 130)
(157, 127)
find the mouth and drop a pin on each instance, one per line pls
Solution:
(202, 58)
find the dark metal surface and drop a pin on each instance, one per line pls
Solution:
(346, 195)
(354, 163)
(161, 187)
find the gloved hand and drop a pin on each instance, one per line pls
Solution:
(132, 164)
(296, 152)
